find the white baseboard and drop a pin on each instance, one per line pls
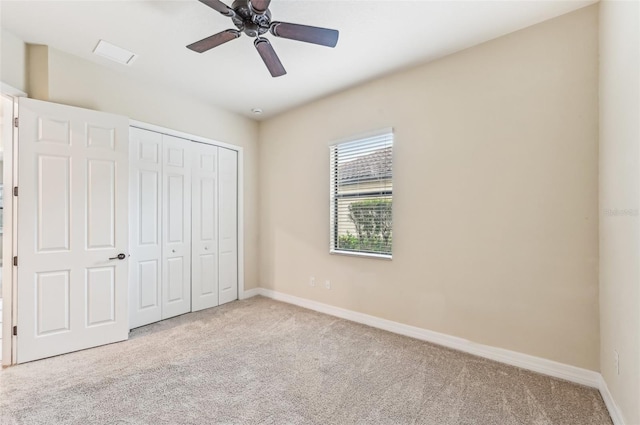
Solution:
(513, 358)
(250, 293)
(614, 410)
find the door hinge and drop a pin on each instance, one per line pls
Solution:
(15, 191)
(15, 122)
(15, 331)
(15, 261)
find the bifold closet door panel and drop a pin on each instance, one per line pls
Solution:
(204, 239)
(145, 236)
(176, 235)
(228, 225)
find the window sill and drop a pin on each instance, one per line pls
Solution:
(361, 254)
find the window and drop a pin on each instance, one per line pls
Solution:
(362, 194)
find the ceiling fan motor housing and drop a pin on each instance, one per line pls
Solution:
(248, 21)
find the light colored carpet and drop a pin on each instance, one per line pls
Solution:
(259, 361)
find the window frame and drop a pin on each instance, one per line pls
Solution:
(334, 196)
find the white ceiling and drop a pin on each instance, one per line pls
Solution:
(376, 38)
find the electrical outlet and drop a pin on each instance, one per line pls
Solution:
(312, 281)
(327, 284)
(616, 361)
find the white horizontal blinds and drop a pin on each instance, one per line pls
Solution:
(361, 194)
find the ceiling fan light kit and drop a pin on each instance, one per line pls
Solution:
(253, 18)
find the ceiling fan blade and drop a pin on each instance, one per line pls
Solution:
(219, 6)
(214, 41)
(265, 49)
(259, 6)
(315, 35)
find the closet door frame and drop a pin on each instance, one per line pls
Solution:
(239, 150)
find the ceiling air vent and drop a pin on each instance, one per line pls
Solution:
(115, 53)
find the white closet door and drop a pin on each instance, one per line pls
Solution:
(228, 222)
(72, 224)
(176, 237)
(145, 265)
(204, 239)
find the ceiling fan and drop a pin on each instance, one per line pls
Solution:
(254, 19)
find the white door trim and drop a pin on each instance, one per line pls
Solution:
(9, 293)
(182, 135)
(239, 149)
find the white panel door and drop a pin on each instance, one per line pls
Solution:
(204, 239)
(145, 264)
(228, 225)
(72, 224)
(176, 218)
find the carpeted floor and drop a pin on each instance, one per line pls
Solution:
(259, 361)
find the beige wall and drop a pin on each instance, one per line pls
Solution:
(73, 81)
(619, 202)
(13, 57)
(38, 72)
(495, 194)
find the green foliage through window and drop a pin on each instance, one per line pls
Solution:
(372, 219)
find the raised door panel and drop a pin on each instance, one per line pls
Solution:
(149, 213)
(175, 279)
(204, 227)
(145, 301)
(176, 193)
(53, 195)
(100, 295)
(228, 225)
(101, 208)
(52, 130)
(176, 227)
(52, 302)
